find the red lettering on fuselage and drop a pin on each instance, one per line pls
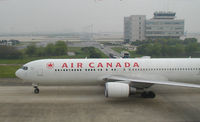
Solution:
(72, 65)
(118, 65)
(91, 65)
(79, 65)
(64, 65)
(100, 65)
(108, 65)
(135, 64)
(127, 64)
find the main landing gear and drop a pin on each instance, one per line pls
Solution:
(36, 89)
(148, 94)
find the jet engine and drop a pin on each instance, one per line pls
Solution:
(113, 89)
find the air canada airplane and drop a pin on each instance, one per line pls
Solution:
(121, 77)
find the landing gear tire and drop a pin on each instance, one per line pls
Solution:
(36, 91)
(149, 94)
(144, 94)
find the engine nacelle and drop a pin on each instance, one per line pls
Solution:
(113, 89)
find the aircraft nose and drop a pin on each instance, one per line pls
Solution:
(18, 73)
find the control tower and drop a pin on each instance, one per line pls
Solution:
(164, 15)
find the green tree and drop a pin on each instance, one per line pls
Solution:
(191, 48)
(9, 52)
(165, 50)
(92, 52)
(155, 50)
(95, 55)
(40, 52)
(50, 50)
(60, 48)
(179, 50)
(31, 50)
(190, 40)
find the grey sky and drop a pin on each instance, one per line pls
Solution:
(75, 15)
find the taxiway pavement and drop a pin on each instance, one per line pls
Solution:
(88, 104)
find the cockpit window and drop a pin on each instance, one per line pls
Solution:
(24, 67)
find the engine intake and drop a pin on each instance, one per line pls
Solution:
(113, 89)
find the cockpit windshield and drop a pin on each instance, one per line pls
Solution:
(24, 67)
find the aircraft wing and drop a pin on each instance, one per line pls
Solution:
(122, 79)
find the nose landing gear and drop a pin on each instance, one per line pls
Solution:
(36, 89)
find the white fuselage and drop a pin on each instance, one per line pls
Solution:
(93, 70)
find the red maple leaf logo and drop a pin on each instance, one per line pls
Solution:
(50, 65)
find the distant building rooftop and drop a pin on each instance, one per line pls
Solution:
(164, 15)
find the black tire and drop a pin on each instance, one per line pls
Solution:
(151, 94)
(144, 94)
(36, 91)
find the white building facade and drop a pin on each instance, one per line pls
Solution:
(134, 27)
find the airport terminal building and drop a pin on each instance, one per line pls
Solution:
(162, 25)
